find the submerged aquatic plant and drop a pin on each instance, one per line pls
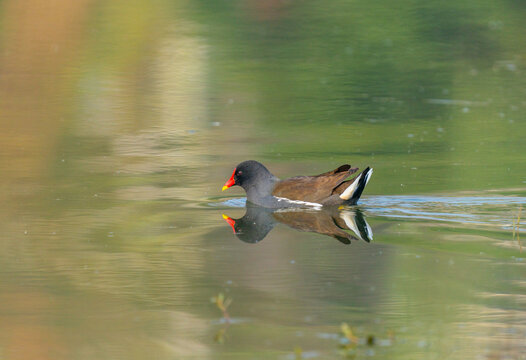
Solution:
(516, 229)
(298, 353)
(222, 303)
(351, 345)
(348, 334)
(348, 342)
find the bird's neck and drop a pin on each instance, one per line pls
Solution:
(262, 189)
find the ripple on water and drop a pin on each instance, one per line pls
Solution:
(233, 203)
(496, 211)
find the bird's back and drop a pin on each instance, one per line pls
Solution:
(314, 189)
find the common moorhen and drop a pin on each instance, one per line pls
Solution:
(327, 189)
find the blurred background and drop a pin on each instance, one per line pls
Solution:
(120, 121)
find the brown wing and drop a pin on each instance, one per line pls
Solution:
(313, 188)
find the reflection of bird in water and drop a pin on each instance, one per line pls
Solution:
(257, 223)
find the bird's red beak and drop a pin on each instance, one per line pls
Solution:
(230, 222)
(230, 182)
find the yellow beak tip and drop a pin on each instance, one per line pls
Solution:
(225, 217)
(224, 188)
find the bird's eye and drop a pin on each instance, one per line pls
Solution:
(240, 172)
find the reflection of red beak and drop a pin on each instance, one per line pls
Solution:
(230, 182)
(230, 222)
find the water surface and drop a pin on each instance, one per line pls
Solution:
(121, 122)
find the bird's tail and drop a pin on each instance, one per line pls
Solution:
(353, 192)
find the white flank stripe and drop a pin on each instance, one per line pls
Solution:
(299, 202)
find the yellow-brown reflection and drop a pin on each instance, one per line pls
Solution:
(39, 40)
(26, 334)
(49, 51)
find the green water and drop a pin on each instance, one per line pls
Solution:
(122, 120)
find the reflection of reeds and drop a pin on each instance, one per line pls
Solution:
(516, 229)
(220, 336)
